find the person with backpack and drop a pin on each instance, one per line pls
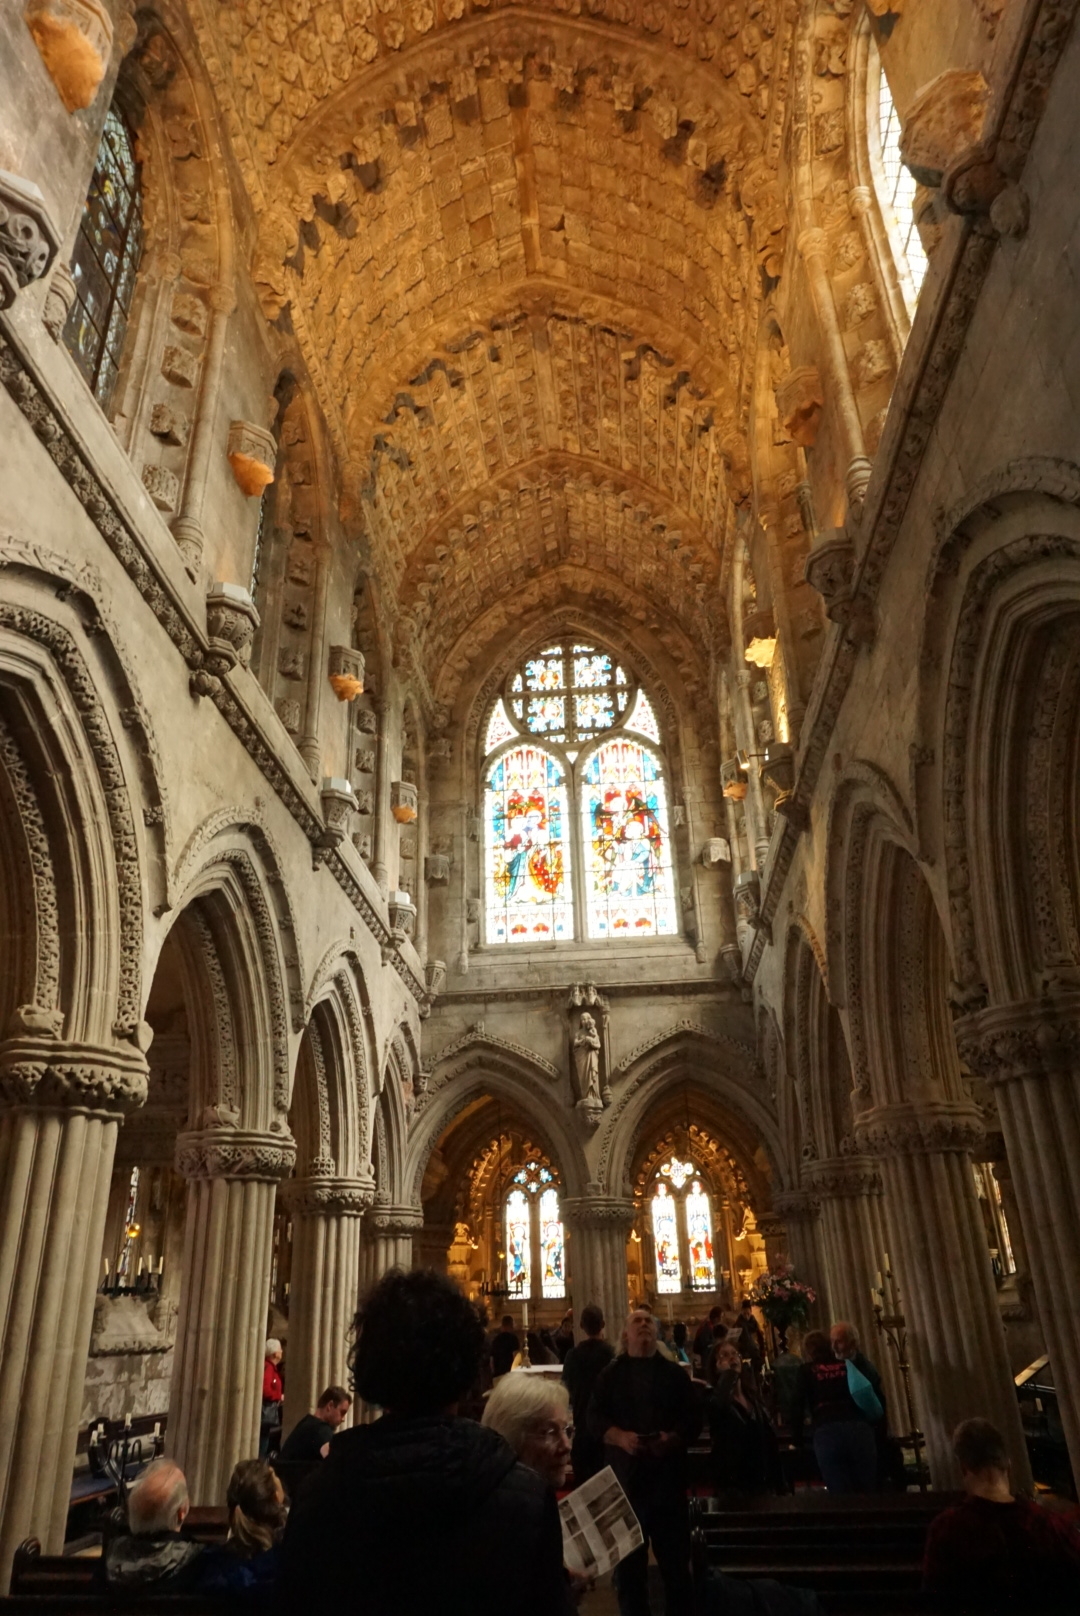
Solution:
(843, 1409)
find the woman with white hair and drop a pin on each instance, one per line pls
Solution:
(532, 1412)
(273, 1392)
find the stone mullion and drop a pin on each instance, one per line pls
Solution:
(955, 1334)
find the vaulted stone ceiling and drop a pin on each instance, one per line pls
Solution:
(521, 248)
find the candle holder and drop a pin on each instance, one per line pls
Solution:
(121, 1457)
(892, 1327)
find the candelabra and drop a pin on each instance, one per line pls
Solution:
(892, 1327)
(121, 1457)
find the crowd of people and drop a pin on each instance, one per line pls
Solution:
(426, 1509)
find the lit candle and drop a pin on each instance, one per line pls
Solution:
(525, 1315)
(106, 1268)
(140, 1269)
(127, 1422)
(157, 1429)
(160, 1264)
(880, 1286)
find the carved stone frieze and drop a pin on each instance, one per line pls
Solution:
(45, 1073)
(843, 1177)
(906, 1129)
(393, 1221)
(1038, 1038)
(797, 1206)
(328, 1197)
(234, 1153)
(29, 241)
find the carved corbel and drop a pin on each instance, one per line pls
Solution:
(346, 672)
(437, 869)
(75, 39)
(800, 402)
(338, 805)
(231, 621)
(403, 801)
(29, 240)
(402, 915)
(252, 455)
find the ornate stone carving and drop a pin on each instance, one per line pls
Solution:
(75, 39)
(235, 1153)
(179, 367)
(716, 852)
(58, 301)
(289, 713)
(800, 401)
(29, 240)
(403, 801)
(231, 621)
(169, 425)
(40, 1071)
(796, 1206)
(252, 455)
(597, 1212)
(944, 120)
(829, 569)
(437, 869)
(402, 912)
(384, 1219)
(435, 977)
(839, 1177)
(328, 1197)
(339, 805)
(346, 672)
(907, 1129)
(162, 486)
(1034, 1038)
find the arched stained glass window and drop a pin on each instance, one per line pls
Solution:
(896, 189)
(699, 1239)
(528, 849)
(551, 1247)
(666, 1237)
(518, 1245)
(105, 262)
(630, 890)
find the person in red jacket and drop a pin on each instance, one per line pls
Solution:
(995, 1554)
(273, 1392)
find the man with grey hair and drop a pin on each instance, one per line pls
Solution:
(153, 1557)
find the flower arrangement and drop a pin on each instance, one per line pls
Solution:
(784, 1300)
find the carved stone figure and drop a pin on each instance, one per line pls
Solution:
(587, 1061)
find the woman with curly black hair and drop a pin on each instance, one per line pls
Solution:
(421, 1511)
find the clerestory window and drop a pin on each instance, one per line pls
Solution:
(105, 262)
(896, 185)
(577, 839)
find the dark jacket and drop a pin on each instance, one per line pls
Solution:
(646, 1395)
(306, 1439)
(153, 1562)
(746, 1455)
(823, 1395)
(505, 1347)
(407, 1517)
(250, 1582)
(580, 1371)
(1007, 1559)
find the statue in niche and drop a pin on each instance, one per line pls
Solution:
(587, 1062)
(588, 1010)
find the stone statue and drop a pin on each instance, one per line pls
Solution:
(587, 1061)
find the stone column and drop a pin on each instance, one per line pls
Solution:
(188, 528)
(854, 1243)
(946, 1287)
(1030, 1054)
(599, 1227)
(813, 245)
(801, 1212)
(224, 1296)
(387, 1241)
(380, 867)
(60, 1106)
(326, 1215)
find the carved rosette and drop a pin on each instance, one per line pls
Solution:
(598, 1212)
(48, 1075)
(235, 1153)
(393, 1221)
(346, 672)
(75, 39)
(843, 1177)
(252, 455)
(911, 1130)
(28, 238)
(231, 621)
(328, 1197)
(1033, 1038)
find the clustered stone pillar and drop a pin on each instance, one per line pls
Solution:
(216, 1398)
(599, 1227)
(326, 1215)
(60, 1105)
(854, 1244)
(1030, 1055)
(955, 1333)
(388, 1240)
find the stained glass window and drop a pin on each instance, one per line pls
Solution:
(551, 1246)
(898, 189)
(677, 1171)
(499, 728)
(699, 1239)
(569, 694)
(528, 850)
(643, 719)
(106, 259)
(518, 1245)
(666, 1237)
(630, 890)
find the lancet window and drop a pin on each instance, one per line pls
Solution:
(896, 184)
(577, 838)
(535, 1247)
(106, 260)
(682, 1227)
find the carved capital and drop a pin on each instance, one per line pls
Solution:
(843, 1177)
(39, 1071)
(796, 1206)
(393, 1221)
(235, 1153)
(402, 913)
(339, 805)
(29, 241)
(1033, 1038)
(916, 1130)
(944, 121)
(328, 1197)
(598, 1212)
(231, 621)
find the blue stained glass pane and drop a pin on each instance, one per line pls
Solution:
(553, 1280)
(518, 1245)
(592, 668)
(546, 715)
(544, 672)
(630, 888)
(594, 710)
(527, 854)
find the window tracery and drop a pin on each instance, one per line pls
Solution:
(534, 1224)
(106, 260)
(577, 837)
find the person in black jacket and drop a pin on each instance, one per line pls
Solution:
(745, 1452)
(580, 1371)
(645, 1411)
(310, 1436)
(421, 1511)
(843, 1437)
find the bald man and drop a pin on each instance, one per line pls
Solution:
(153, 1557)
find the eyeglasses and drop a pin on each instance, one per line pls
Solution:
(554, 1431)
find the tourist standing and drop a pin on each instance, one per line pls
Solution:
(843, 1436)
(580, 1371)
(272, 1394)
